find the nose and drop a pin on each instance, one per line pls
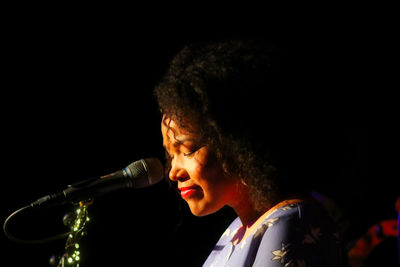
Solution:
(178, 171)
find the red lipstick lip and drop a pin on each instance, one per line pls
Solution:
(188, 191)
(184, 188)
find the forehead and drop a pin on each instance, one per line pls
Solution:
(171, 130)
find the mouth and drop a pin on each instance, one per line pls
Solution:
(187, 192)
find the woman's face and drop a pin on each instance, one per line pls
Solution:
(201, 180)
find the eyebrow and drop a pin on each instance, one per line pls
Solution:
(175, 141)
(178, 141)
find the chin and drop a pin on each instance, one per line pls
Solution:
(201, 211)
(200, 214)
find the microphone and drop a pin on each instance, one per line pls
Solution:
(139, 174)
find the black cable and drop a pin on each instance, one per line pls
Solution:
(38, 241)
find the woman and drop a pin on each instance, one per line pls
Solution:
(224, 149)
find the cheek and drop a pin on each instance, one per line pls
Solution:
(212, 178)
(205, 165)
(208, 173)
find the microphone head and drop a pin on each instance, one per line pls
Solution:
(145, 172)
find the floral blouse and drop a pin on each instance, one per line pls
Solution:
(293, 233)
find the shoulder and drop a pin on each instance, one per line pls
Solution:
(230, 232)
(299, 233)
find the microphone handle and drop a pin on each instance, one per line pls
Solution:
(86, 189)
(98, 187)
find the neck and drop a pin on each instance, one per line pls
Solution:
(248, 215)
(244, 208)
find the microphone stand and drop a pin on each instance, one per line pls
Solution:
(76, 221)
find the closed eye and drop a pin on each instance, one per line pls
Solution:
(189, 154)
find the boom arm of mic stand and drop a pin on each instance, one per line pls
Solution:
(23, 241)
(77, 231)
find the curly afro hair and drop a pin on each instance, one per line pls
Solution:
(226, 93)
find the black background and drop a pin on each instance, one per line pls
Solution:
(77, 102)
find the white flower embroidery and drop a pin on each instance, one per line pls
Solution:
(243, 244)
(312, 237)
(234, 232)
(298, 263)
(271, 222)
(280, 253)
(226, 233)
(336, 237)
(288, 207)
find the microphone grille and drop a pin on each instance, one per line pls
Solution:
(146, 172)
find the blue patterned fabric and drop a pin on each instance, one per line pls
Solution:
(298, 234)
